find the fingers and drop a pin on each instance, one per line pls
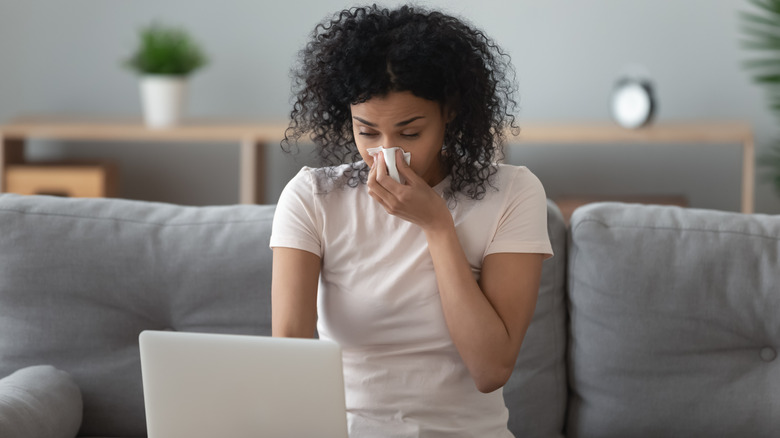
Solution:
(376, 178)
(387, 191)
(379, 163)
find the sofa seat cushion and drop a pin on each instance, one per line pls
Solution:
(39, 402)
(674, 322)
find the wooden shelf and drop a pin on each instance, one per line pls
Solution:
(253, 137)
(131, 129)
(704, 133)
(661, 133)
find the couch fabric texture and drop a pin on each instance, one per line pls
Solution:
(39, 402)
(651, 321)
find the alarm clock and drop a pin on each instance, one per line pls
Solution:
(632, 102)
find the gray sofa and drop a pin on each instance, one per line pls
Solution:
(651, 321)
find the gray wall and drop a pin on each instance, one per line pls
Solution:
(62, 57)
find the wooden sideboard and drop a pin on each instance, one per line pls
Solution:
(254, 137)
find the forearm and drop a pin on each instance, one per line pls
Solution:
(479, 333)
(284, 326)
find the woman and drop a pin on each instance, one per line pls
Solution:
(428, 284)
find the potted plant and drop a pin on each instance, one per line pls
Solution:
(165, 58)
(762, 29)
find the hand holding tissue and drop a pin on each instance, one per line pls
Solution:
(389, 154)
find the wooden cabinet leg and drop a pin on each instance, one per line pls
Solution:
(11, 152)
(252, 183)
(748, 176)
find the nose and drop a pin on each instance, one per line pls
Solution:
(385, 140)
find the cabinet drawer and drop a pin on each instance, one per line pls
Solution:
(79, 180)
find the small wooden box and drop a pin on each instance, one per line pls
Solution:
(71, 179)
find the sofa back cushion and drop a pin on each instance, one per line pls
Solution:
(535, 395)
(81, 278)
(674, 322)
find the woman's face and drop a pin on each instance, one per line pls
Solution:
(401, 119)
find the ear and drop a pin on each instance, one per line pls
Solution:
(448, 112)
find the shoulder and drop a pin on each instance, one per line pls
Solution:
(514, 181)
(320, 180)
(323, 180)
(518, 189)
(512, 173)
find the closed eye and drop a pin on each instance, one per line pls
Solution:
(371, 134)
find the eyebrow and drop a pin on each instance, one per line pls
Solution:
(373, 125)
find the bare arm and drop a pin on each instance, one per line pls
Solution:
(294, 293)
(487, 320)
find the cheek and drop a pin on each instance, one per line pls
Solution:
(362, 146)
(424, 157)
(367, 158)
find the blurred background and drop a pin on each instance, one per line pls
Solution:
(64, 58)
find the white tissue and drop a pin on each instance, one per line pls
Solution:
(392, 167)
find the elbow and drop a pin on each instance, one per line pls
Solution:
(487, 387)
(293, 331)
(493, 380)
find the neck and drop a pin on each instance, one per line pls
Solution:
(435, 175)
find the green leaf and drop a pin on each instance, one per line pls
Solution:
(753, 45)
(770, 6)
(761, 63)
(762, 35)
(768, 79)
(166, 50)
(758, 19)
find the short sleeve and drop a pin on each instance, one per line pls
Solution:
(296, 221)
(523, 224)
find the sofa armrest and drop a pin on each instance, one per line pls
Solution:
(39, 401)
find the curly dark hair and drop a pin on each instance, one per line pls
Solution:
(369, 51)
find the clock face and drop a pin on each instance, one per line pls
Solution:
(631, 105)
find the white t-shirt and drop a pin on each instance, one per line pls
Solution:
(378, 298)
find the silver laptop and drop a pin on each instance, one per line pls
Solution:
(209, 385)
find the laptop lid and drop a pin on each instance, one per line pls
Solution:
(200, 385)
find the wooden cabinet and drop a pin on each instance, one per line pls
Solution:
(82, 180)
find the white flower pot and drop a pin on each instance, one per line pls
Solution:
(163, 98)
